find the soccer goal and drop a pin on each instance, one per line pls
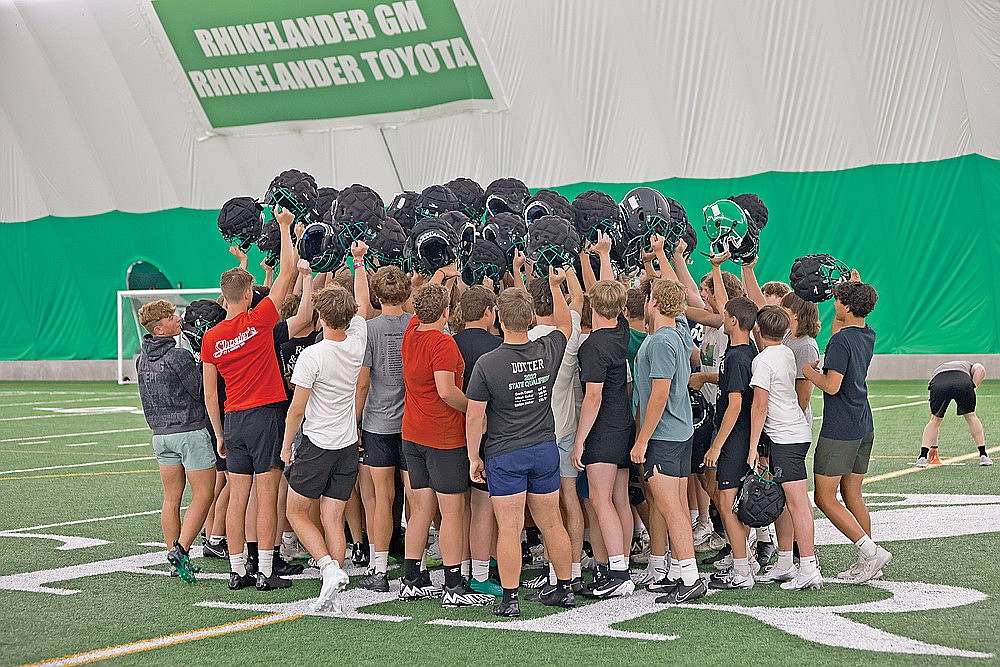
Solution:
(130, 332)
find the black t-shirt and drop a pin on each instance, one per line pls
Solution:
(474, 343)
(846, 414)
(604, 359)
(516, 382)
(288, 354)
(735, 372)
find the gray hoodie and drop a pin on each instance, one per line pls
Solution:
(170, 387)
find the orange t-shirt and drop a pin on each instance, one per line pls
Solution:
(242, 349)
(427, 419)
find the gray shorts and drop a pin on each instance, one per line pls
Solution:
(191, 449)
(565, 446)
(836, 458)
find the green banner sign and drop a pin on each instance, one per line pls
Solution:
(315, 60)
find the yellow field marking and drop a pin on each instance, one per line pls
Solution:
(910, 471)
(167, 640)
(78, 474)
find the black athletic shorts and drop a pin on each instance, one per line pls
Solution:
(701, 443)
(952, 386)
(443, 470)
(788, 462)
(668, 457)
(253, 440)
(732, 463)
(636, 494)
(609, 448)
(220, 463)
(382, 451)
(319, 472)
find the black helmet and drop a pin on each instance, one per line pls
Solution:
(357, 215)
(435, 200)
(547, 202)
(701, 410)
(812, 277)
(646, 212)
(199, 317)
(320, 247)
(432, 245)
(294, 191)
(465, 230)
(755, 208)
(325, 199)
(595, 211)
(506, 195)
(759, 501)
(552, 241)
(509, 232)
(486, 260)
(388, 248)
(471, 196)
(269, 241)
(240, 221)
(401, 208)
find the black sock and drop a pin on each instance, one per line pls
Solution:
(412, 568)
(564, 583)
(534, 536)
(181, 549)
(252, 550)
(713, 514)
(277, 552)
(510, 595)
(924, 451)
(982, 450)
(452, 575)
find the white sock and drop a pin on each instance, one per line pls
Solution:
(216, 539)
(689, 571)
(866, 546)
(371, 552)
(618, 562)
(764, 534)
(657, 564)
(552, 574)
(807, 564)
(742, 566)
(480, 570)
(694, 515)
(238, 564)
(466, 568)
(577, 570)
(380, 562)
(288, 538)
(674, 573)
(785, 561)
(266, 562)
(323, 562)
(423, 565)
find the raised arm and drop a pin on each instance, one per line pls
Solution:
(666, 271)
(684, 276)
(603, 250)
(240, 256)
(560, 309)
(361, 294)
(587, 269)
(288, 270)
(750, 285)
(718, 285)
(575, 291)
(303, 315)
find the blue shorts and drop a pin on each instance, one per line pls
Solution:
(534, 469)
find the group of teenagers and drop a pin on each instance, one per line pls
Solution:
(608, 419)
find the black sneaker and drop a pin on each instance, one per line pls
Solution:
(683, 593)
(600, 574)
(376, 581)
(238, 582)
(281, 568)
(765, 552)
(420, 588)
(664, 585)
(359, 555)
(577, 585)
(556, 596)
(538, 581)
(510, 609)
(271, 583)
(463, 596)
(219, 550)
(253, 566)
(723, 553)
(616, 584)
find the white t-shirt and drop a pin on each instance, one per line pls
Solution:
(713, 349)
(331, 368)
(567, 392)
(774, 370)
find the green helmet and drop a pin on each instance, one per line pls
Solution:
(730, 229)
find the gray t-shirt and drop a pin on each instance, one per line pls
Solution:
(515, 382)
(666, 354)
(383, 412)
(806, 351)
(962, 366)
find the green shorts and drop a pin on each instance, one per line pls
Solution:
(836, 458)
(191, 449)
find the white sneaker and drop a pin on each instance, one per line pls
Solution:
(713, 542)
(985, 460)
(801, 581)
(871, 567)
(432, 555)
(293, 551)
(587, 562)
(774, 574)
(702, 529)
(854, 570)
(725, 563)
(648, 576)
(921, 462)
(334, 581)
(729, 580)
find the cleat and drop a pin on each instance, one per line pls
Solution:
(724, 563)
(713, 542)
(173, 572)
(765, 552)
(238, 582)
(614, 585)
(682, 593)
(375, 581)
(293, 551)
(577, 585)
(217, 550)
(510, 609)
(463, 596)
(702, 529)
(359, 555)
(663, 585)
(538, 581)
(725, 552)
(921, 462)
(178, 557)
(773, 574)
(985, 460)
(420, 588)
(813, 580)
(487, 587)
(554, 596)
(334, 581)
(730, 580)
(282, 569)
(871, 567)
(272, 583)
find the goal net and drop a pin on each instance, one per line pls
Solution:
(130, 332)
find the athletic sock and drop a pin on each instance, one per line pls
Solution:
(452, 575)
(371, 552)
(266, 563)
(785, 561)
(764, 534)
(323, 562)
(252, 550)
(674, 573)
(216, 540)
(982, 450)
(288, 537)
(533, 536)
(411, 568)
(422, 565)
(741, 566)
(552, 574)
(618, 563)
(480, 570)
(466, 568)
(924, 451)
(689, 571)
(238, 564)
(694, 515)
(577, 570)
(865, 545)
(510, 595)
(657, 563)
(380, 563)
(564, 584)
(807, 564)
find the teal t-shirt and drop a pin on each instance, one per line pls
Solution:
(666, 354)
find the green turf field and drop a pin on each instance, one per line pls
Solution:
(75, 462)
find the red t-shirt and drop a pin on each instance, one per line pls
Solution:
(427, 419)
(243, 351)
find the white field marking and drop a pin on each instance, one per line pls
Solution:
(81, 444)
(77, 465)
(138, 444)
(921, 523)
(60, 401)
(123, 409)
(80, 521)
(32, 439)
(167, 640)
(69, 542)
(66, 393)
(884, 407)
(36, 442)
(910, 471)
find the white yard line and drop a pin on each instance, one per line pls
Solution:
(909, 471)
(73, 435)
(80, 444)
(60, 401)
(80, 521)
(64, 393)
(77, 465)
(885, 407)
(138, 444)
